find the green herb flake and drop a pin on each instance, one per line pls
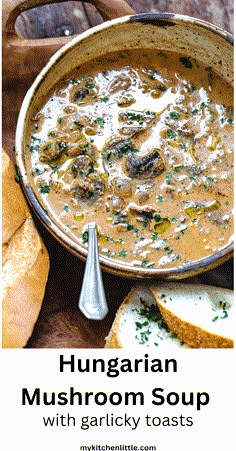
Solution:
(104, 99)
(54, 167)
(139, 325)
(173, 335)
(169, 178)
(89, 85)
(44, 189)
(85, 237)
(59, 120)
(123, 253)
(77, 123)
(100, 121)
(154, 236)
(168, 249)
(147, 264)
(171, 134)
(174, 115)
(215, 319)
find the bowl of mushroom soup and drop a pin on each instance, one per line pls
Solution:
(130, 125)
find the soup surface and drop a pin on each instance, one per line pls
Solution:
(141, 143)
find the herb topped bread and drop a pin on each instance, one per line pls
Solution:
(174, 315)
(200, 315)
(139, 322)
(25, 263)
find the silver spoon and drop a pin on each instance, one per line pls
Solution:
(92, 301)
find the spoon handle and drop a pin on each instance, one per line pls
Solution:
(92, 301)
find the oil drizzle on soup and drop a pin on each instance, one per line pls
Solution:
(142, 143)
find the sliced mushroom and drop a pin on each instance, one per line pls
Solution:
(119, 82)
(116, 147)
(133, 122)
(85, 182)
(91, 187)
(143, 213)
(80, 94)
(82, 166)
(52, 150)
(150, 165)
(219, 218)
(125, 99)
(146, 210)
(122, 186)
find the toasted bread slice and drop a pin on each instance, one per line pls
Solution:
(139, 322)
(25, 264)
(14, 206)
(201, 316)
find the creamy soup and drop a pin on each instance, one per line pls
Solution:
(141, 143)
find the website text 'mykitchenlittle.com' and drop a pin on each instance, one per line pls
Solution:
(117, 448)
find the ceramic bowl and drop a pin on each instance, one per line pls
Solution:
(186, 35)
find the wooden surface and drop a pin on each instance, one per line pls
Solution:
(60, 324)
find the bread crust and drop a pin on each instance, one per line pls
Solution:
(14, 207)
(190, 333)
(113, 340)
(25, 264)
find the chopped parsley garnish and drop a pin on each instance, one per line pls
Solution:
(44, 189)
(100, 121)
(171, 134)
(174, 115)
(173, 335)
(104, 99)
(147, 264)
(85, 237)
(89, 85)
(54, 167)
(154, 236)
(122, 253)
(77, 123)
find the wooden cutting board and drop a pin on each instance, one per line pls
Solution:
(60, 323)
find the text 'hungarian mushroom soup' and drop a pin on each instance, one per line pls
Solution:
(141, 143)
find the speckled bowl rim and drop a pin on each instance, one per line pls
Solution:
(111, 265)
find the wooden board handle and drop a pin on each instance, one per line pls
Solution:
(24, 58)
(12, 8)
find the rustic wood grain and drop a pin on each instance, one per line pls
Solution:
(75, 17)
(65, 19)
(60, 324)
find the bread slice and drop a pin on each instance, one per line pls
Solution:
(25, 264)
(14, 206)
(139, 322)
(201, 316)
